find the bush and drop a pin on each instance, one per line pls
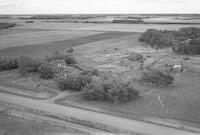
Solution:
(8, 63)
(69, 59)
(70, 50)
(55, 56)
(111, 90)
(46, 71)
(91, 72)
(157, 77)
(73, 82)
(135, 57)
(28, 65)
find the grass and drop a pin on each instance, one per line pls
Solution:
(22, 37)
(181, 102)
(19, 126)
(183, 94)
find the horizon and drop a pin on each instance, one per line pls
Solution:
(99, 7)
(105, 14)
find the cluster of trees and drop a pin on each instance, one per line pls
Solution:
(158, 38)
(157, 77)
(183, 41)
(189, 47)
(68, 57)
(26, 64)
(73, 82)
(46, 71)
(110, 89)
(189, 33)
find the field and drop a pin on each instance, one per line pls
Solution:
(106, 47)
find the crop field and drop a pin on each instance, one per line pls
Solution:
(106, 47)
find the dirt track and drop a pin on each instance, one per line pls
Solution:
(94, 117)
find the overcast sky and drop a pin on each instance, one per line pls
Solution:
(98, 6)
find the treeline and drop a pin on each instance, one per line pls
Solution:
(128, 21)
(6, 25)
(183, 41)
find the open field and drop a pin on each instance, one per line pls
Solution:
(45, 48)
(31, 37)
(106, 47)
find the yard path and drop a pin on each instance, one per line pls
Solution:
(94, 117)
(61, 95)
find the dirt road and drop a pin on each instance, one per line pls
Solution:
(94, 117)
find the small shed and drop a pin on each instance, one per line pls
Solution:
(59, 63)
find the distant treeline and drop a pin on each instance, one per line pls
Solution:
(48, 17)
(183, 41)
(128, 21)
(6, 25)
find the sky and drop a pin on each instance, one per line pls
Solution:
(98, 6)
